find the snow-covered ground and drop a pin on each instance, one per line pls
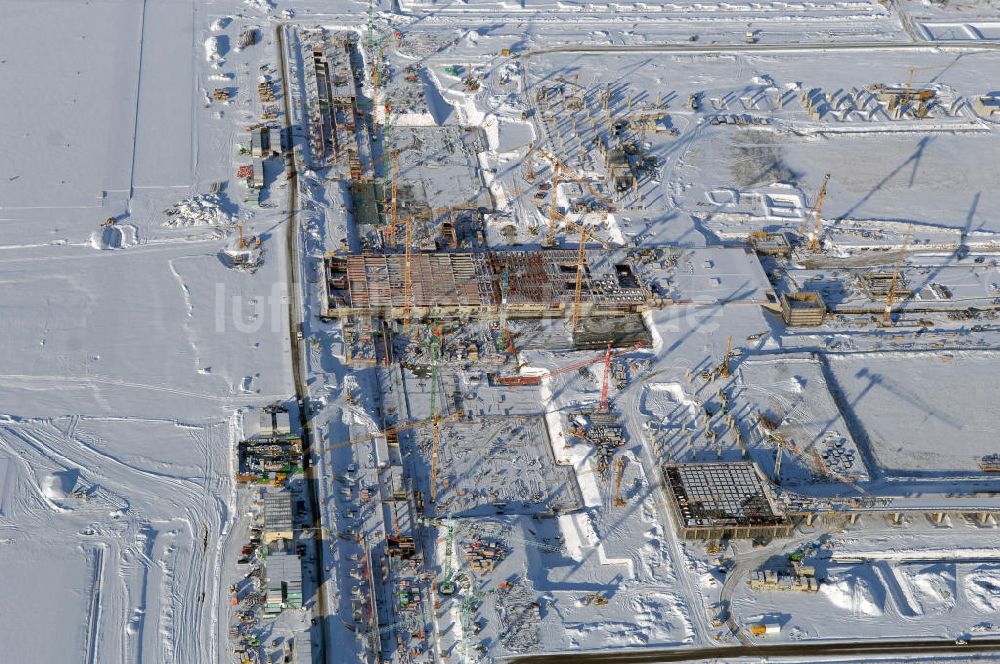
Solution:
(133, 347)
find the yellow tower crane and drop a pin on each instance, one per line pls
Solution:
(814, 217)
(890, 297)
(581, 266)
(617, 500)
(395, 179)
(407, 271)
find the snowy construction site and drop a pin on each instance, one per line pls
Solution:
(470, 331)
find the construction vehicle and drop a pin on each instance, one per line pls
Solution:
(764, 629)
(890, 297)
(923, 95)
(593, 598)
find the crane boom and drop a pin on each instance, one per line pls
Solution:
(554, 214)
(581, 259)
(407, 272)
(815, 215)
(604, 384)
(537, 379)
(395, 179)
(435, 344)
(891, 295)
(617, 500)
(388, 432)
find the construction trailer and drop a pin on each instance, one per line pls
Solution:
(283, 572)
(767, 579)
(257, 177)
(257, 143)
(274, 141)
(277, 516)
(987, 106)
(803, 309)
(271, 424)
(725, 500)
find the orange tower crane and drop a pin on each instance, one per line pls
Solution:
(604, 384)
(537, 379)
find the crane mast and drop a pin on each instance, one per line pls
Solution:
(815, 215)
(435, 344)
(890, 297)
(604, 384)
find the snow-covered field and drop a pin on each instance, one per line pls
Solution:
(132, 347)
(128, 350)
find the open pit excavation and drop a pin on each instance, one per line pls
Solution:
(412, 332)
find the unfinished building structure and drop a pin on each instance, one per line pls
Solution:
(802, 309)
(527, 284)
(723, 500)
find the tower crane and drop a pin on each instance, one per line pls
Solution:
(723, 369)
(435, 344)
(814, 217)
(604, 384)
(392, 430)
(537, 379)
(581, 264)
(395, 180)
(617, 499)
(407, 271)
(554, 214)
(813, 461)
(890, 297)
(559, 169)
